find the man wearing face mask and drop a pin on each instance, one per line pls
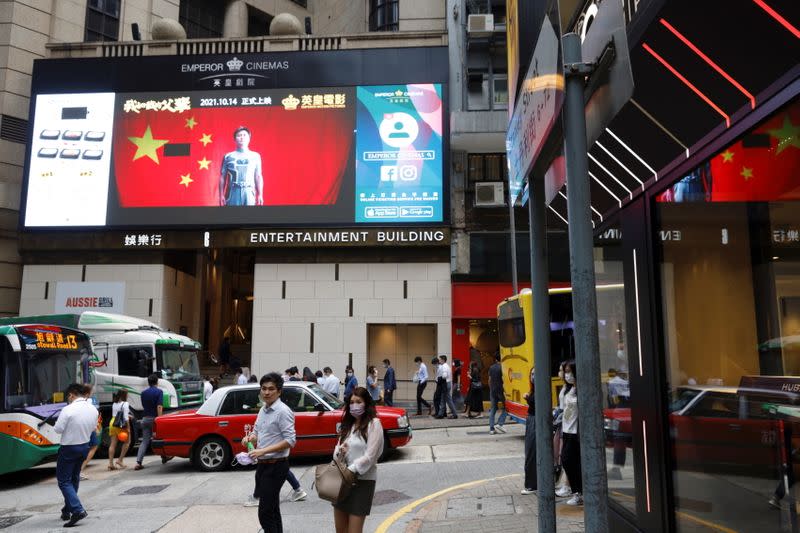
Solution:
(350, 383)
(421, 379)
(389, 383)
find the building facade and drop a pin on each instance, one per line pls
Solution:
(289, 289)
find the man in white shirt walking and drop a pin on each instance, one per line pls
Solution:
(331, 382)
(75, 424)
(421, 379)
(447, 400)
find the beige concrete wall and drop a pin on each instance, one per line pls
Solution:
(422, 15)
(334, 17)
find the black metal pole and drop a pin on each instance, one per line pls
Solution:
(545, 482)
(513, 240)
(584, 298)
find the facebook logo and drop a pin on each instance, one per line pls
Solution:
(389, 173)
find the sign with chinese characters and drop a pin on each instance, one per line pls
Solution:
(142, 239)
(47, 337)
(786, 235)
(79, 296)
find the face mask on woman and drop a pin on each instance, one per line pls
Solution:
(569, 378)
(349, 374)
(357, 409)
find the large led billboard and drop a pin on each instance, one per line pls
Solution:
(235, 149)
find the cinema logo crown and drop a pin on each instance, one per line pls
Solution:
(235, 64)
(291, 102)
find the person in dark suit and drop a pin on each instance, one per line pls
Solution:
(389, 383)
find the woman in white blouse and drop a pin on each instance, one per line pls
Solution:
(361, 444)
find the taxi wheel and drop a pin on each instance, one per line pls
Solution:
(212, 454)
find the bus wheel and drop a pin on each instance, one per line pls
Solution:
(212, 454)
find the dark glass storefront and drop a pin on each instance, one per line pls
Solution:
(700, 342)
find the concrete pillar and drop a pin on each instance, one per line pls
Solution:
(235, 24)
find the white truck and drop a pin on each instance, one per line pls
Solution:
(127, 350)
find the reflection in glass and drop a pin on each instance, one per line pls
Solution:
(612, 329)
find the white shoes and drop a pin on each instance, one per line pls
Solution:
(576, 499)
(563, 492)
(527, 491)
(491, 432)
(299, 495)
(500, 428)
(251, 501)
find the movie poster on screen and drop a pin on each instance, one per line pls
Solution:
(246, 149)
(399, 153)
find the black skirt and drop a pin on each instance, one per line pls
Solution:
(359, 501)
(475, 400)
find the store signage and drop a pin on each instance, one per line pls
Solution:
(77, 297)
(328, 238)
(143, 239)
(536, 109)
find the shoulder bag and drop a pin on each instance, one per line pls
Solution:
(119, 420)
(334, 481)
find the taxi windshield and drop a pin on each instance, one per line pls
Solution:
(329, 398)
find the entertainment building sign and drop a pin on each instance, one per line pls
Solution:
(323, 139)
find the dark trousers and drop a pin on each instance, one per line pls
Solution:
(68, 474)
(270, 478)
(290, 477)
(530, 452)
(388, 397)
(420, 400)
(571, 460)
(438, 396)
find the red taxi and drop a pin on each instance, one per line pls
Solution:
(212, 435)
(727, 426)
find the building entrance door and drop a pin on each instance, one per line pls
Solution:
(400, 344)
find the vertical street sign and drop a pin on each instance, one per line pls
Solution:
(536, 108)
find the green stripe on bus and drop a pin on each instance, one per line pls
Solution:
(17, 454)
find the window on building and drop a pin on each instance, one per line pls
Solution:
(487, 167)
(486, 89)
(384, 15)
(202, 18)
(257, 22)
(102, 20)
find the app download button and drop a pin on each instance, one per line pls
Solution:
(380, 212)
(417, 211)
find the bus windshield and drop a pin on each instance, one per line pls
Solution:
(179, 364)
(39, 378)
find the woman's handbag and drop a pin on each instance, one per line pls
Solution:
(334, 481)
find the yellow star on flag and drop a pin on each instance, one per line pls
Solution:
(146, 145)
(787, 135)
(747, 173)
(727, 156)
(186, 180)
(191, 123)
(206, 139)
(204, 163)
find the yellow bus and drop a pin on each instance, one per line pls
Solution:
(515, 332)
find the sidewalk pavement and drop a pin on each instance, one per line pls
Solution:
(495, 505)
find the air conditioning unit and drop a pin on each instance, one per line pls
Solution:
(489, 194)
(480, 25)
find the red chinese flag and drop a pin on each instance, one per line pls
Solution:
(165, 159)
